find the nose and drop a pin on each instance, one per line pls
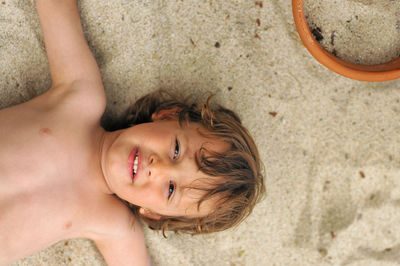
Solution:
(159, 169)
(151, 160)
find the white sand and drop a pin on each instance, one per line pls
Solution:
(320, 209)
(359, 31)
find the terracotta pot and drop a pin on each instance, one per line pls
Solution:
(381, 72)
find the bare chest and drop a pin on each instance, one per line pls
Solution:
(43, 170)
(39, 156)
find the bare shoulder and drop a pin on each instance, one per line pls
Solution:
(82, 99)
(119, 235)
(110, 218)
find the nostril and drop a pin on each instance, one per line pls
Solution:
(149, 173)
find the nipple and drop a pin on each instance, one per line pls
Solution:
(44, 131)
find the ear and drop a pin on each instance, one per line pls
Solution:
(149, 214)
(163, 114)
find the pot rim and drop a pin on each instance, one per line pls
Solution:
(382, 72)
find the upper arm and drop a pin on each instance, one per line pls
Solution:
(69, 56)
(124, 243)
(128, 249)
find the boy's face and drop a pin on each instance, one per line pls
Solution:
(152, 165)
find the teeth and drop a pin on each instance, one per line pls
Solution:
(135, 164)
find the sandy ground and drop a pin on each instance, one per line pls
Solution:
(329, 144)
(358, 31)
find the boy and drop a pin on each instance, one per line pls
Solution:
(182, 167)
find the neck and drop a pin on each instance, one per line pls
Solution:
(105, 141)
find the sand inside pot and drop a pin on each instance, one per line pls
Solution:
(359, 31)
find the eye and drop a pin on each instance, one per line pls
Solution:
(177, 149)
(171, 189)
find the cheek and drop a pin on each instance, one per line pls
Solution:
(149, 137)
(142, 196)
(116, 159)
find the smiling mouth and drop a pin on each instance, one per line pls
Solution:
(135, 164)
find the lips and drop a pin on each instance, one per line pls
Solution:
(134, 163)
